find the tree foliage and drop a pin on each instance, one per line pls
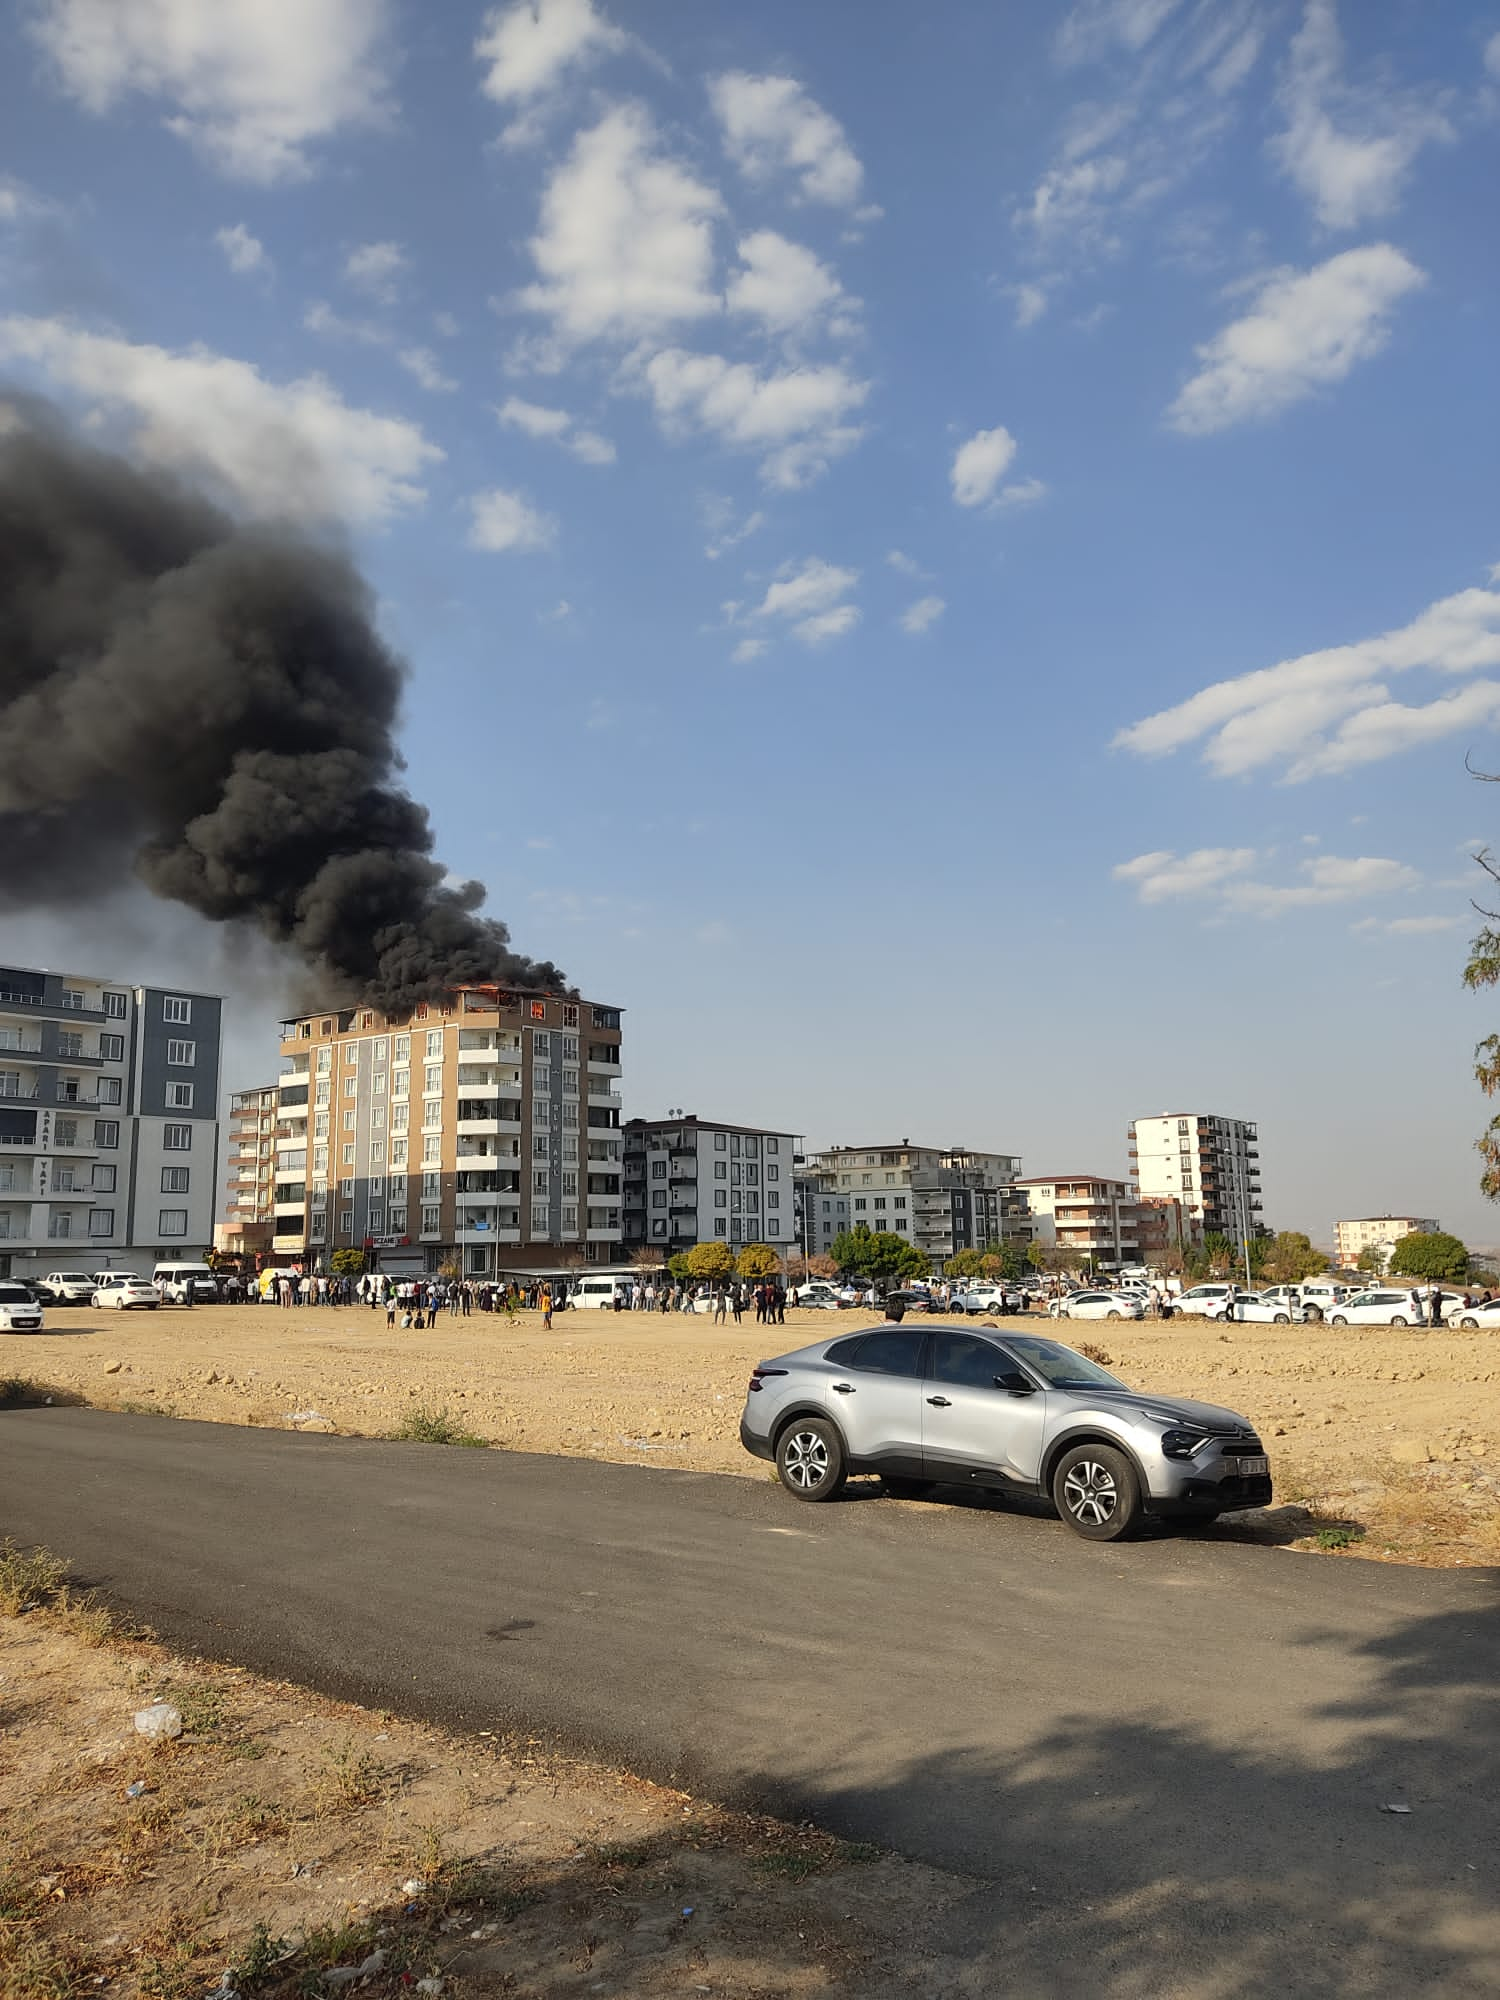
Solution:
(678, 1268)
(1430, 1254)
(1371, 1258)
(347, 1263)
(880, 1256)
(1289, 1258)
(709, 1262)
(756, 1262)
(964, 1264)
(1483, 969)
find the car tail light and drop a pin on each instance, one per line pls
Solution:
(758, 1377)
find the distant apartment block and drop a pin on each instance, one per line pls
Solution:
(1087, 1216)
(942, 1199)
(482, 1135)
(1209, 1164)
(109, 1129)
(696, 1180)
(248, 1220)
(821, 1211)
(1377, 1232)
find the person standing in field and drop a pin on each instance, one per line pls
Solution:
(544, 1300)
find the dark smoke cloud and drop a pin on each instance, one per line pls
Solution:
(210, 707)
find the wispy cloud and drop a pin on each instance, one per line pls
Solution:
(503, 523)
(924, 613)
(1223, 877)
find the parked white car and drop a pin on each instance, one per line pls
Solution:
(1262, 1309)
(1204, 1301)
(1321, 1300)
(1099, 1305)
(818, 1298)
(987, 1299)
(1376, 1308)
(67, 1288)
(19, 1311)
(124, 1289)
(1458, 1314)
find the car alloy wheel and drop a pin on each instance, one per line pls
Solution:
(810, 1459)
(1283, 1319)
(1090, 1494)
(1111, 1314)
(1340, 1320)
(1468, 1322)
(1398, 1321)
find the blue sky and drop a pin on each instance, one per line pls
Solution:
(948, 557)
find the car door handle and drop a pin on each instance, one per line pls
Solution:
(843, 1388)
(940, 1402)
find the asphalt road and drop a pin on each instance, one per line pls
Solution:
(1166, 1761)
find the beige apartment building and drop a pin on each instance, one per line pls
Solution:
(941, 1198)
(483, 1134)
(1088, 1217)
(1207, 1163)
(248, 1221)
(1377, 1232)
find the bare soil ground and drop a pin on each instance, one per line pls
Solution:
(290, 1845)
(1385, 1441)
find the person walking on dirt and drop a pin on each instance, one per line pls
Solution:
(544, 1300)
(721, 1305)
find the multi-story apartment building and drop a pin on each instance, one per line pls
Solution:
(695, 1180)
(1087, 1216)
(1211, 1165)
(943, 1199)
(483, 1134)
(248, 1221)
(109, 1126)
(1377, 1232)
(1168, 1230)
(821, 1211)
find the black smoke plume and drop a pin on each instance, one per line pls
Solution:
(210, 706)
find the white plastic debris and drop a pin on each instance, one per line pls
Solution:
(158, 1722)
(1396, 1809)
(415, 1886)
(345, 1975)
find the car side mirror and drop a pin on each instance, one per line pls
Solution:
(1015, 1382)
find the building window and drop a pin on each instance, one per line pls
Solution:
(112, 1048)
(879, 1201)
(658, 1197)
(773, 1145)
(541, 1047)
(721, 1198)
(773, 1173)
(432, 1080)
(396, 1222)
(171, 1222)
(174, 1138)
(376, 1223)
(541, 1180)
(107, 1091)
(721, 1143)
(179, 1096)
(115, 1006)
(325, 1061)
(432, 1149)
(106, 1131)
(773, 1199)
(434, 1045)
(860, 1202)
(401, 1048)
(540, 1149)
(377, 1152)
(900, 1200)
(721, 1225)
(721, 1170)
(347, 1155)
(320, 1125)
(101, 1222)
(570, 1146)
(570, 1082)
(570, 1048)
(538, 1010)
(174, 1180)
(318, 1228)
(398, 1117)
(182, 1055)
(346, 1222)
(658, 1170)
(541, 1111)
(570, 1017)
(104, 1179)
(605, 1017)
(320, 1159)
(378, 1083)
(570, 1221)
(176, 1009)
(351, 1086)
(432, 1186)
(351, 1120)
(400, 1082)
(380, 1048)
(322, 1093)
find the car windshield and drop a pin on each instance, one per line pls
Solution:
(1060, 1367)
(14, 1295)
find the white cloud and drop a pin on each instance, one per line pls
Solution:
(1492, 55)
(1408, 926)
(810, 586)
(826, 625)
(748, 650)
(1031, 303)
(275, 449)
(251, 84)
(979, 465)
(1306, 329)
(1220, 874)
(1349, 151)
(537, 420)
(771, 125)
(527, 47)
(425, 369)
(903, 564)
(376, 269)
(507, 521)
(245, 254)
(926, 611)
(625, 243)
(1021, 493)
(723, 530)
(1327, 711)
(1163, 876)
(1098, 27)
(783, 285)
(794, 417)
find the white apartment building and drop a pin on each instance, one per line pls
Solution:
(941, 1198)
(1210, 1164)
(248, 1220)
(693, 1180)
(1090, 1218)
(1378, 1232)
(109, 1127)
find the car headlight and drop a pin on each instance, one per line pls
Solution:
(1182, 1443)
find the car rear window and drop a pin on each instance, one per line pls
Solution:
(894, 1353)
(14, 1295)
(846, 1352)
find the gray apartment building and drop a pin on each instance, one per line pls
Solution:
(822, 1212)
(694, 1180)
(109, 1125)
(941, 1198)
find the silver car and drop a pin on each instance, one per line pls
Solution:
(936, 1405)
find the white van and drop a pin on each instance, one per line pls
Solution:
(600, 1293)
(175, 1281)
(1321, 1300)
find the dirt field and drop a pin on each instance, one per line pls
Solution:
(286, 1845)
(1387, 1439)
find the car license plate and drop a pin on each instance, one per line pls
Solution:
(1250, 1468)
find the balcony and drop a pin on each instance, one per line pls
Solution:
(600, 1093)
